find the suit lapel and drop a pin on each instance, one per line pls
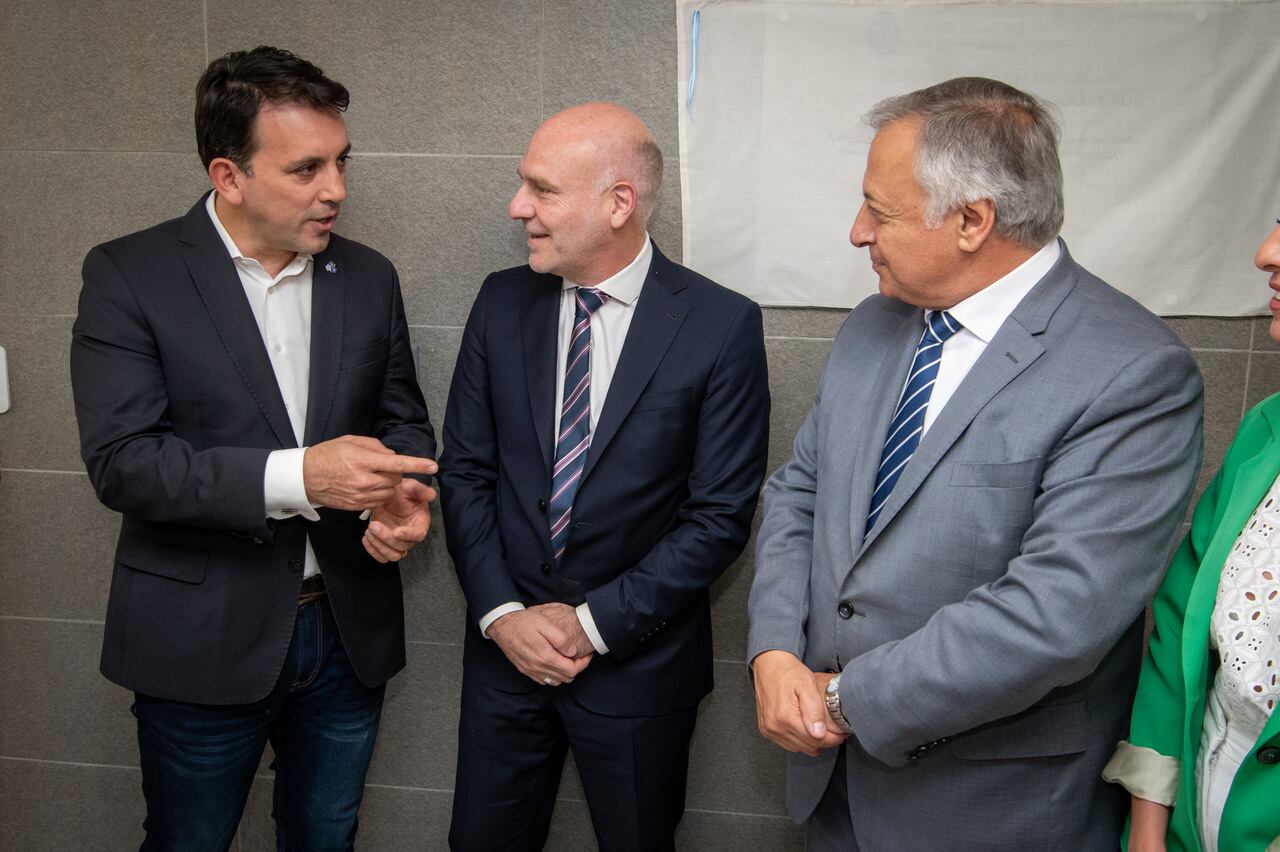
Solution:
(659, 313)
(875, 411)
(214, 274)
(539, 333)
(1013, 349)
(327, 326)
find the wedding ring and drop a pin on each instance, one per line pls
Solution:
(547, 680)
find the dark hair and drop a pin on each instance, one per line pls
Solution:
(233, 88)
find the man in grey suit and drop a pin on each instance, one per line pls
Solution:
(946, 619)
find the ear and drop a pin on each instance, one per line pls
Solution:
(622, 203)
(977, 223)
(227, 179)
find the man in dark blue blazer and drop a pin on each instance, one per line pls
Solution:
(605, 440)
(245, 387)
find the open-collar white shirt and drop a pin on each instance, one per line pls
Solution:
(281, 306)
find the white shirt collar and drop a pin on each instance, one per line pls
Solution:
(986, 310)
(293, 267)
(624, 285)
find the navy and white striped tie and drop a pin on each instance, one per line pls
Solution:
(908, 420)
(575, 418)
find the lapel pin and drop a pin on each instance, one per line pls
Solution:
(331, 267)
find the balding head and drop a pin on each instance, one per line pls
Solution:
(590, 178)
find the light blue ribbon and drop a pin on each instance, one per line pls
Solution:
(693, 55)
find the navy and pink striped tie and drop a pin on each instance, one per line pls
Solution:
(908, 420)
(575, 419)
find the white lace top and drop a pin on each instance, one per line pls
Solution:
(1246, 618)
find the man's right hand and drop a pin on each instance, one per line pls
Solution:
(355, 472)
(790, 709)
(536, 647)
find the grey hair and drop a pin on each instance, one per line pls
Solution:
(643, 164)
(981, 138)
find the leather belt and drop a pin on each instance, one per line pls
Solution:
(312, 589)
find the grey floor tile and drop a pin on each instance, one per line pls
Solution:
(55, 704)
(1264, 377)
(434, 607)
(708, 830)
(122, 76)
(52, 807)
(391, 820)
(442, 221)
(1224, 395)
(794, 368)
(729, 601)
(1213, 332)
(418, 739)
(438, 346)
(1262, 341)
(731, 767)
(431, 77)
(56, 206)
(38, 432)
(57, 556)
(803, 322)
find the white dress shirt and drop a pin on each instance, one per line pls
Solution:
(982, 314)
(282, 309)
(609, 325)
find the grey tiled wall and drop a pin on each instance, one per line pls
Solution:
(96, 141)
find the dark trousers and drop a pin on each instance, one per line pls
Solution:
(198, 760)
(511, 749)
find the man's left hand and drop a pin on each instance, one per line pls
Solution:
(566, 618)
(400, 522)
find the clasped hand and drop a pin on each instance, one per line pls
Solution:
(545, 642)
(791, 706)
(355, 472)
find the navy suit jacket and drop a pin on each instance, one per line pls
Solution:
(179, 407)
(666, 499)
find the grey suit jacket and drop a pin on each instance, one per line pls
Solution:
(993, 625)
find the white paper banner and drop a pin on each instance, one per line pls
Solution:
(1170, 146)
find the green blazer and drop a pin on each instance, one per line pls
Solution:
(1179, 667)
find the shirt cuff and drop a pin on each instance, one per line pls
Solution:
(589, 628)
(284, 487)
(1145, 773)
(497, 612)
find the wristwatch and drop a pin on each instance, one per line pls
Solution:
(833, 705)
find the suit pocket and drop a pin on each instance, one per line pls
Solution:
(1042, 731)
(1017, 474)
(153, 557)
(657, 400)
(362, 356)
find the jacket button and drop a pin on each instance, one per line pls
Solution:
(845, 609)
(295, 565)
(1269, 755)
(546, 569)
(542, 505)
(256, 539)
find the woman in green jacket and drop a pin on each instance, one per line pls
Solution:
(1202, 761)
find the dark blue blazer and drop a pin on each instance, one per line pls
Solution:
(666, 499)
(178, 409)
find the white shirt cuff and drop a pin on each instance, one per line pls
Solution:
(497, 612)
(1145, 773)
(284, 488)
(589, 627)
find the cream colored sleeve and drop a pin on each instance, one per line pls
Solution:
(1144, 772)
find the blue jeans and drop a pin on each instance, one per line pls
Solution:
(198, 760)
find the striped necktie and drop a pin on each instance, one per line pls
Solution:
(908, 420)
(575, 418)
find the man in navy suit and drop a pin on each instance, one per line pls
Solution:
(245, 387)
(605, 441)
